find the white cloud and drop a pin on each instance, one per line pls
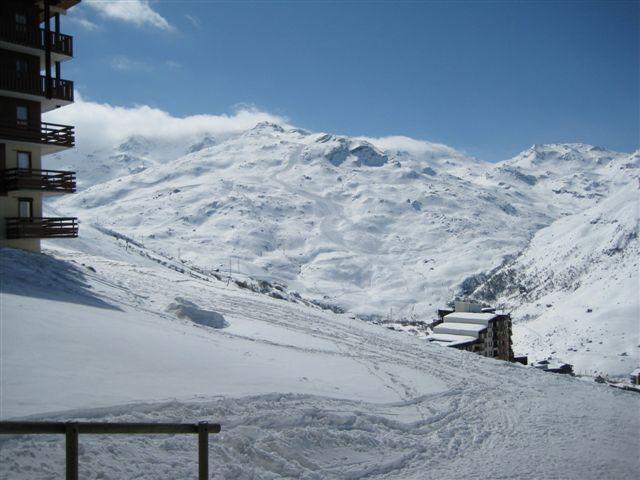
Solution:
(138, 12)
(409, 145)
(173, 64)
(195, 21)
(124, 63)
(102, 125)
(83, 22)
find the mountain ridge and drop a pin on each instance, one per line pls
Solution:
(342, 220)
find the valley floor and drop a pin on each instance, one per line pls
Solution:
(87, 333)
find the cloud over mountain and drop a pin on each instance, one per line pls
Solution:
(101, 124)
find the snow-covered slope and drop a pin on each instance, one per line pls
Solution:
(574, 290)
(377, 227)
(343, 221)
(300, 392)
(136, 154)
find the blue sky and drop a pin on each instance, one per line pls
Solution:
(488, 78)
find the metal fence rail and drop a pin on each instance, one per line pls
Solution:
(71, 431)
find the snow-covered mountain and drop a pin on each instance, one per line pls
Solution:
(135, 154)
(198, 291)
(575, 287)
(370, 226)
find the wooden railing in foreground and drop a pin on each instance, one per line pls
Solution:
(71, 431)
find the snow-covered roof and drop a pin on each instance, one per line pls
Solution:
(460, 328)
(550, 364)
(557, 366)
(450, 340)
(470, 317)
(636, 372)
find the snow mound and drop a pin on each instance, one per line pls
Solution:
(186, 309)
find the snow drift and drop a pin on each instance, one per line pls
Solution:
(183, 308)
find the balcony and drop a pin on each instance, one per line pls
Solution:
(36, 38)
(42, 133)
(37, 85)
(38, 227)
(41, 180)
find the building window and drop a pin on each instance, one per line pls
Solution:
(22, 67)
(24, 160)
(25, 207)
(21, 23)
(22, 115)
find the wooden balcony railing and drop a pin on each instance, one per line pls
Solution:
(39, 227)
(57, 88)
(36, 38)
(33, 179)
(46, 133)
(72, 430)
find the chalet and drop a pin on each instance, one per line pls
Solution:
(470, 327)
(32, 51)
(635, 377)
(553, 365)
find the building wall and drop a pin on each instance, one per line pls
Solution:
(24, 71)
(8, 61)
(9, 208)
(8, 9)
(9, 201)
(11, 154)
(495, 341)
(503, 348)
(8, 110)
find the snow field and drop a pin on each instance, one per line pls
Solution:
(301, 393)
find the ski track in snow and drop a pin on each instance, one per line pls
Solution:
(445, 414)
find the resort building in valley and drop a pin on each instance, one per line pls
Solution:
(32, 51)
(471, 327)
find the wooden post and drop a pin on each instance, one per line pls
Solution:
(47, 48)
(203, 451)
(56, 40)
(71, 430)
(71, 434)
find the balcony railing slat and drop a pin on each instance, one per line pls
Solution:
(42, 227)
(34, 179)
(36, 84)
(47, 133)
(30, 37)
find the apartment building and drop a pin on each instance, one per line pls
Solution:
(32, 52)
